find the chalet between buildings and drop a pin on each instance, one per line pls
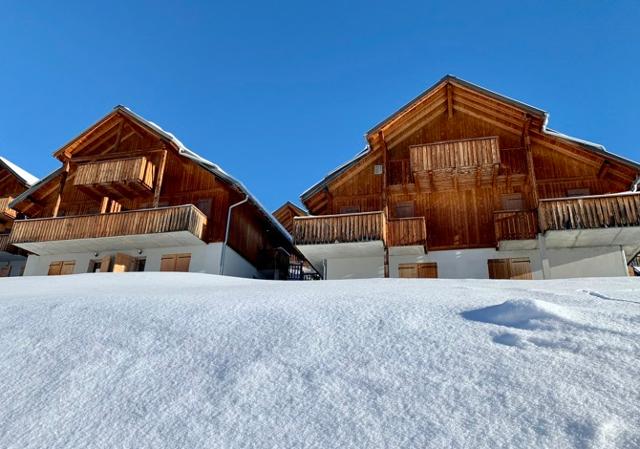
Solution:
(466, 183)
(13, 181)
(131, 197)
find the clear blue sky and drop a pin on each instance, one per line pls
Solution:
(279, 93)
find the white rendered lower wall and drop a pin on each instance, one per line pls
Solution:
(473, 263)
(204, 259)
(355, 268)
(466, 263)
(586, 262)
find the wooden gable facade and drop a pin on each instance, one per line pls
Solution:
(471, 168)
(125, 176)
(286, 213)
(12, 184)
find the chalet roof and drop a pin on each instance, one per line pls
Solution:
(23, 176)
(183, 151)
(297, 208)
(543, 115)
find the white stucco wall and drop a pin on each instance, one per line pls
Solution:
(204, 259)
(586, 262)
(466, 263)
(355, 268)
(473, 263)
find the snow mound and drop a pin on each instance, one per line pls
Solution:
(186, 360)
(523, 314)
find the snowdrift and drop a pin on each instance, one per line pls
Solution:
(158, 360)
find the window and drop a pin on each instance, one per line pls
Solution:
(512, 201)
(349, 209)
(175, 262)
(579, 192)
(61, 267)
(510, 269)
(405, 209)
(427, 270)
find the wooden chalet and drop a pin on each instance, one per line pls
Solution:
(464, 182)
(129, 196)
(13, 181)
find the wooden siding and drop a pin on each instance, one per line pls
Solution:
(407, 232)
(147, 221)
(590, 212)
(6, 213)
(515, 225)
(345, 228)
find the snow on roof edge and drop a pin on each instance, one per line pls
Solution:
(20, 172)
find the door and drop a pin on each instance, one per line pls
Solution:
(123, 262)
(175, 262)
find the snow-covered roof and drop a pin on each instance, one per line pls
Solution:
(592, 146)
(27, 178)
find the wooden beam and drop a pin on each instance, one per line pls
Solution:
(526, 143)
(385, 200)
(65, 173)
(159, 177)
(449, 100)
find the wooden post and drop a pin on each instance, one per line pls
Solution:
(449, 100)
(158, 180)
(63, 180)
(526, 142)
(104, 204)
(385, 202)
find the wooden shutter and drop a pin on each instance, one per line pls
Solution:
(168, 263)
(105, 264)
(521, 269)
(182, 262)
(54, 268)
(428, 270)
(498, 269)
(408, 270)
(175, 262)
(122, 262)
(68, 267)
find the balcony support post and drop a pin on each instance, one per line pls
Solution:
(526, 143)
(158, 180)
(63, 180)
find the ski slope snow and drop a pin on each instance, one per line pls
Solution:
(180, 360)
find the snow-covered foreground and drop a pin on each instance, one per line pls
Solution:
(164, 360)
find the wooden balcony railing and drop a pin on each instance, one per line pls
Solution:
(6, 213)
(138, 171)
(453, 165)
(134, 222)
(344, 228)
(455, 154)
(407, 232)
(515, 225)
(590, 212)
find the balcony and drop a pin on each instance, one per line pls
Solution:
(455, 164)
(116, 178)
(515, 229)
(407, 236)
(4, 242)
(599, 220)
(6, 213)
(136, 229)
